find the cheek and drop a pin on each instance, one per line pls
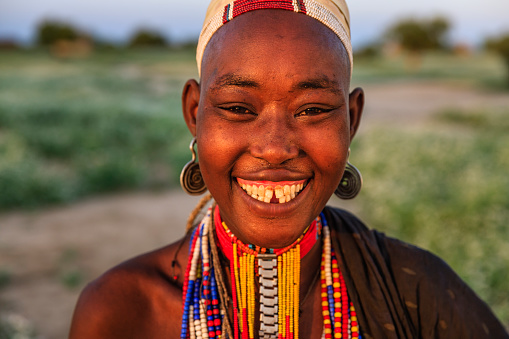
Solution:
(328, 149)
(217, 152)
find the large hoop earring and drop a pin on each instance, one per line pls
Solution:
(191, 179)
(350, 184)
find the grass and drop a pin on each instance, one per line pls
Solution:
(446, 192)
(479, 69)
(13, 326)
(75, 128)
(69, 273)
(5, 278)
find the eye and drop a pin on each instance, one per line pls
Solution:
(237, 110)
(313, 111)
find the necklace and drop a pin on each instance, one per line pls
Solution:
(278, 274)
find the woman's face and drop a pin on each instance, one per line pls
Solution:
(272, 110)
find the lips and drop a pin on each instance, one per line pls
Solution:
(272, 191)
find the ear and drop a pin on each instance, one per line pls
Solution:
(190, 102)
(356, 105)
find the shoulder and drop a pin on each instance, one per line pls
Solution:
(138, 298)
(436, 298)
(438, 302)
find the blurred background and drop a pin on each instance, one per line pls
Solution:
(92, 140)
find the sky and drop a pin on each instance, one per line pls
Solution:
(116, 20)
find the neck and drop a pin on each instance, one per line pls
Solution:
(226, 239)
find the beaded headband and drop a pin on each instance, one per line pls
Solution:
(332, 13)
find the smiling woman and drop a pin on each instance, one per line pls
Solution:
(273, 118)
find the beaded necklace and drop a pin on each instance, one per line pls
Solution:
(278, 273)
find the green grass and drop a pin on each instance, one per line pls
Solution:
(482, 70)
(13, 326)
(5, 278)
(74, 128)
(445, 190)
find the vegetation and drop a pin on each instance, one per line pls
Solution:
(419, 35)
(14, 326)
(73, 129)
(51, 31)
(147, 38)
(76, 128)
(446, 192)
(480, 70)
(500, 45)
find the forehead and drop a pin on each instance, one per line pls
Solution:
(276, 43)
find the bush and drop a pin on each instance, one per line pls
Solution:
(370, 51)
(53, 155)
(14, 326)
(500, 45)
(51, 31)
(420, 35)
(147, 38)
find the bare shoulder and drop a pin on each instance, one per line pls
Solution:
(140, 298)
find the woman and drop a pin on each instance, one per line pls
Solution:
(273, 119)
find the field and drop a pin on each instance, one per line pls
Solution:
(91, 150)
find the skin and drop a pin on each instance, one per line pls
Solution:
(280, 110)
(273, 104)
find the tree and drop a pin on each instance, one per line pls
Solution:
(51, 31)
(147, 38)
(500, 45)
(419, 35)
(438, 28)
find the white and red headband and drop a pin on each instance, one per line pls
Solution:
(332, 13)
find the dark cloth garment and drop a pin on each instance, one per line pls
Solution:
(401, 291)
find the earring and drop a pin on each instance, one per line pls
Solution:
(350, 184)
(191, 179)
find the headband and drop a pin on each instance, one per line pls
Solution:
(332, 13)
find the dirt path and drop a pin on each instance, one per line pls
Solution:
(403, 104)
(46, 253)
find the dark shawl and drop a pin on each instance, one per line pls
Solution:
(401, 291)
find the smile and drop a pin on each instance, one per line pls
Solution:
(278, 192)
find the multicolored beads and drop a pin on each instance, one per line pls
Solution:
(337, 310)
(278, 274)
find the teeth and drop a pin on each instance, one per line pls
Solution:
(286, 190)
(279, 192)
(266, 193)
(261, 191)
(269, 193)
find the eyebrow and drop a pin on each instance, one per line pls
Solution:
(235, 80)
(318, 83)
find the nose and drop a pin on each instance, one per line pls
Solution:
(275, 140)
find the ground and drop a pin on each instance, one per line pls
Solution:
(48, 255)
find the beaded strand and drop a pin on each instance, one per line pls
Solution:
(337, 309)
(202, 313)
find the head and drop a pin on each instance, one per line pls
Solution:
(272, 108)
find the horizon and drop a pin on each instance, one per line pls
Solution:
(115, 21)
